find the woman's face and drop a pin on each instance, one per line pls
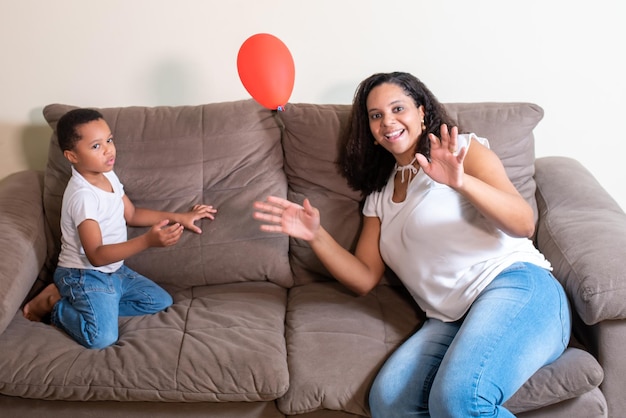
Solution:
(395, 120)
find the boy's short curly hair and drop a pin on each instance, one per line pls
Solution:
(66, 129)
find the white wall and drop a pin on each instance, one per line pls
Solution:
(567, 56)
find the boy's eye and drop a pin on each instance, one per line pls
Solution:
(110, 140)
(95, 146)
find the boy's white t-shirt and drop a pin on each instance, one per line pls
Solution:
(82, 201)
(440, 246)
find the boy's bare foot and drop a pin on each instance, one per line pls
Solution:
(42, 304)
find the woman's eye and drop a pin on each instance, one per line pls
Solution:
(398, 109)
(375, 116)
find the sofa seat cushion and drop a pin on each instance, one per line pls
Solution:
(15, 407)
(219, 343)
(337, 342)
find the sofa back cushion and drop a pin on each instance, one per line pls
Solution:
(311, 142)
(171, 158)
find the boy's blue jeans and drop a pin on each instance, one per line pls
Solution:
(470, 367)
(92, 301)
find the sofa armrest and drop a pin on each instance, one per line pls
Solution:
(22, 239)
(582, 231)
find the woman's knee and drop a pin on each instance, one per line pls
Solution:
(384, 404)
(453, 398)
(392, 395)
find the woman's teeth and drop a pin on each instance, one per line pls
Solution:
(394, 134)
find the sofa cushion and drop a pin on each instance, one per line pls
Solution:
(171, 158)
(573, 374)
(219, 343)
(324, 319)
(583, 234)
(311, 144)
(12, 406)
(23, 240)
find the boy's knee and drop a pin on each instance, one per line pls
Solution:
(163, 303)
(99, 339)
(98, 344)
(170, 301)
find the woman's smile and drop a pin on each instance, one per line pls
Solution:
(394, 136)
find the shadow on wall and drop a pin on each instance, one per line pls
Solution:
(35, 140)
(170, 83)
(23, 146)
(341, 93)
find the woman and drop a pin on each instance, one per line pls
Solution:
(442, 213)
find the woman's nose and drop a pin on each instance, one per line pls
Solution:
(388, 119)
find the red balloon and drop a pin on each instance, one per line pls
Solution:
(266, 70)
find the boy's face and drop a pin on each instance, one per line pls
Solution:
(95, 152)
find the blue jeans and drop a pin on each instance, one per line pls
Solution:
(470, 367)
(92, 301)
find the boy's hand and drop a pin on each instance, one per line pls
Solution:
(198, 212)
(164, 235)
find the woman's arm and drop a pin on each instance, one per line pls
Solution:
(360, 272)
(477, 173)
(487, 186)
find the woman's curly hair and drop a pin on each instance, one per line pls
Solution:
(364, 164)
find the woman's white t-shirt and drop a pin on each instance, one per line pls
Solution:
(82, 201)
(444, 251)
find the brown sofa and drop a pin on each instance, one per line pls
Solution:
(258, 328)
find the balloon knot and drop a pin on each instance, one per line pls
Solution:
(280, 109)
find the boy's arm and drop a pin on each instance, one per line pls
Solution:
(98, 254)
(147, 217)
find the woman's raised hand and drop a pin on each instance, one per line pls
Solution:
(281, 215)
(446, 162)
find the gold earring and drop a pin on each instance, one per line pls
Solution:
(423, 125)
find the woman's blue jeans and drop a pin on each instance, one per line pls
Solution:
(470, 367)
(92, 301)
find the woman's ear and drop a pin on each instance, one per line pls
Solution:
(422, 115)
(421, 111)
(71, 156)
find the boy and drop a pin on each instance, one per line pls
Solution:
(92, 286)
